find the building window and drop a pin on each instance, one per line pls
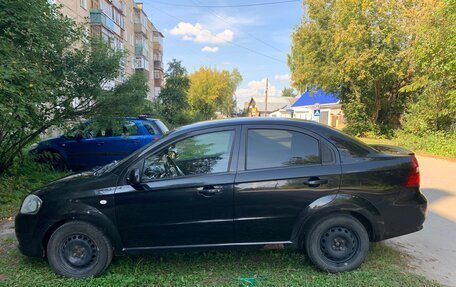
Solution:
(157, 74)
(83, 4)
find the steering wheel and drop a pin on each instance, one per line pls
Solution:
(173, 167)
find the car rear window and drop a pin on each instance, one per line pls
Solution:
(268, 148)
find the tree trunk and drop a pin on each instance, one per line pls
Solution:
(377, 103)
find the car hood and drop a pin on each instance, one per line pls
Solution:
(78, 185)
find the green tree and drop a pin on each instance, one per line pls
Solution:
(433, 88)
(211, 91)
(289, 92)
(172, 103)
(51, 74)
(355, 49)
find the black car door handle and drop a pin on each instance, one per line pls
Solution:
(210, 191)
(100, 143)
(315, 182)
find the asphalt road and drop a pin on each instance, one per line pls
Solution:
(433, 250)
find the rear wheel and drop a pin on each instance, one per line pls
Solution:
(337, 243)
(78, 249)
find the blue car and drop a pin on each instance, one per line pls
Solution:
(89, 146)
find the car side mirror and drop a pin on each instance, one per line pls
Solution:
(134, 177)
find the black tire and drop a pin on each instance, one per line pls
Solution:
(78, 249)
(337, 243)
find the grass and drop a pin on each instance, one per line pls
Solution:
(23, 178)
(384, 267)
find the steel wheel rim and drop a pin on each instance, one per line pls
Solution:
(338, 244)
(78, 251)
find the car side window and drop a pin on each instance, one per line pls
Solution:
(201, 154)
(268, 148)
(150, 128)
(121, 128)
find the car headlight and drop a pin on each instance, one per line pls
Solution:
(31, 204)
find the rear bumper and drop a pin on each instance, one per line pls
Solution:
(408, 215)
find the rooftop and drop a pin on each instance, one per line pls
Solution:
(310, 98)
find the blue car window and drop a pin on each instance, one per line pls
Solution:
(129, 128)
(122, 128)
(150, 128)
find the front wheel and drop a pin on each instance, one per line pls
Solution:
(78, 249)
(337, 243)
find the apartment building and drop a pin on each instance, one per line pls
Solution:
(125, 25)
(148, 51)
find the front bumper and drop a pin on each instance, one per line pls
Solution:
(30, 243)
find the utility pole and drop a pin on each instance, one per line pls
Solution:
(266, 101)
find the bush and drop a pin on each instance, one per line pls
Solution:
(23, 177)
(436, 143)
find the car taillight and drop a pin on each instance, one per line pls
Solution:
(414, 174)
(154, 138)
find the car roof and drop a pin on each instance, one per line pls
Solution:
(253, 121)
(139, 118)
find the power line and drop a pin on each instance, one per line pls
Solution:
(229, 6)
(245, 32)
(228, 42)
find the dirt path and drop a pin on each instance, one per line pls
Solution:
(7, 237)
(433, 250)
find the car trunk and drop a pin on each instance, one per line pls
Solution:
(392, 150)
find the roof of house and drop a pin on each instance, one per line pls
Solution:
(311, 98)
(274, 103)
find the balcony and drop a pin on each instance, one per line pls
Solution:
(141, 63)
(99, 18)
(139, 28)
(141, 50)
(158, 47)
(158, 65)
(158, 82)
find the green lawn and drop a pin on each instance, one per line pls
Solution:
(384, 266)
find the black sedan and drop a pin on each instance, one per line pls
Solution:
(229, 184)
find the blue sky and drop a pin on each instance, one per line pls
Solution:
(212, 36)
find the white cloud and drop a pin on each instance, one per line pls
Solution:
(222, 21)
(256, 89)
(210, 49)
(199, 34)
(285, 77)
